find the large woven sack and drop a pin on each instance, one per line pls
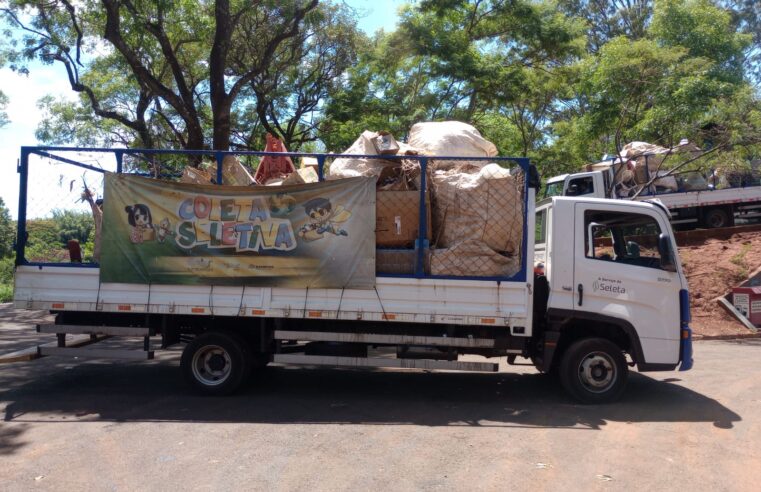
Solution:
(349, 167)
(485, 206)
(451, 138)
(473, 258)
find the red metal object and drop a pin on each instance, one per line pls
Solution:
(747, 300)
(274, 166)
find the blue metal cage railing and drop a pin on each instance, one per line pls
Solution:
(51, 153)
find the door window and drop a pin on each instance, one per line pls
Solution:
(624, 238)
(581, 186)
(540, 234)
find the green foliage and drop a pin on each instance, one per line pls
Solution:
(560, 81)
(7, 231)
(47, 238)
(705, 31)
(73, 225)
(6, 292)
(185, 74)
(7, 266)
(3, 115)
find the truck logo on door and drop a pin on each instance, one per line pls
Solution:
(608, 285)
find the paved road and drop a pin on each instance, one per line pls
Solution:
(134, 426)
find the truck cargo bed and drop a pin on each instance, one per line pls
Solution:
(439, 301)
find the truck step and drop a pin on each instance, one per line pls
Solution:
(97, 353)
(326, 360)
(32, 353)
(383, 339)
(124, 331)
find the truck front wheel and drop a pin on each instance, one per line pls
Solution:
(216, 363)
(594, 370)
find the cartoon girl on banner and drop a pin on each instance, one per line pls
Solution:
(139, 218)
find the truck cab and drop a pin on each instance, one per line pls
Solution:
(612, 274)
(592, 184)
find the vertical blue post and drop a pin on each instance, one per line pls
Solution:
(119, 161)
(321, 167)
(220, 159)
(23, 170)
(422, 241)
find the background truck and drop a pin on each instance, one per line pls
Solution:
(610, 294)
(707, 207)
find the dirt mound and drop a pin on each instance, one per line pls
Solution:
(712, 269)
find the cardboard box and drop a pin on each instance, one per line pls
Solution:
(195, 175)
(301, 176)
(400, 261)
(397, 218)
(385, 143)
(233, 172)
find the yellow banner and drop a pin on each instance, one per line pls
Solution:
(312, 235)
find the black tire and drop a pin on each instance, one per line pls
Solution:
(717, 218)
(216, 363)
(594, 370)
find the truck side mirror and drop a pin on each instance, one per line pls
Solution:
(664, 249)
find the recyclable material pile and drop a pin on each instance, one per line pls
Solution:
(475, 221)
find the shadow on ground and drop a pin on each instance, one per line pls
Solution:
(56, 391)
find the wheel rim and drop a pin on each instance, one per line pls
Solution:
(597, 372)
(211, 365)
(716, 220)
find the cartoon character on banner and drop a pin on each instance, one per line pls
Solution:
(323, 219)
(164, 230)
(141, 223)
(281, 204)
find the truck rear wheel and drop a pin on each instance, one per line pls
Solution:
(216, 363)
(717, 218)
(594, 370)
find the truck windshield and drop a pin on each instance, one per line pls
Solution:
(554, 189)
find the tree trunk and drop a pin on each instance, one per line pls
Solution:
(220, 100)
(221, 125)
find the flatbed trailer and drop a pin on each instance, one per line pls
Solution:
(565, 318)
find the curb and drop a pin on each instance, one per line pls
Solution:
(738, 336)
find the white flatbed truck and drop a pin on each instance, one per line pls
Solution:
(709, 208)
(587, 316)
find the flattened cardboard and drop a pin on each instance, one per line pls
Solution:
(397, 218)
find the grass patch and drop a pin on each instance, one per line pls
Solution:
(741, 261)
(6, 292)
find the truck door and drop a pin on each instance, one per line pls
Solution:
(618, 276)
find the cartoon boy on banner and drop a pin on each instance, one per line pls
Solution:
(323, 219)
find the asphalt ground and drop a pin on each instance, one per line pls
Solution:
(102, 425)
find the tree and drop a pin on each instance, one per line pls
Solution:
(608, 19)
(659, 88)
(466, 60)
(178, 55)
(3, 115)
(73, 225)
(7, 231)
(291, 92)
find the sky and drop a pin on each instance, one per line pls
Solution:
(52, 186)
